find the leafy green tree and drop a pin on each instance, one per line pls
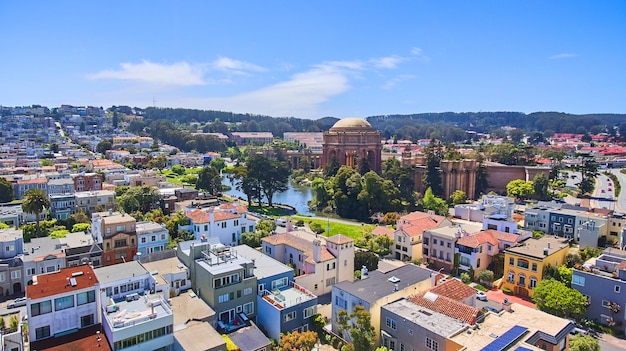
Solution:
(252, 239)
(584, 343)
(54, 147)
(104, 145)
(331, 167)
(35, 201)
(588, 169)
(317, 228)
(80, 227)
(246, 183)
(540, 187)
(432, 178)
(218, 163)
(159, 162)
(433, 203)
(6, 191)
(565, 275)
(178, 169)
(209, 179)
(115, 120)
(403, 178)
(362, 332)
(46, 163)
(458, 197)
(363, 166)
(554, 297)
(505, 153)
(4, 225)
(367, 259)
(143, 198)
(520, 189)
(486, 276)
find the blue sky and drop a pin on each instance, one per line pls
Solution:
(312, 59)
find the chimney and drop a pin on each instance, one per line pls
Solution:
(289, 226)
(548, 245)
(546, 251)
(316, 250)
(506, 305)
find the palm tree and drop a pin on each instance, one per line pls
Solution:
(35, 201)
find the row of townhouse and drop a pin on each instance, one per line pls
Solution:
(207, 289)
(414, 308)
(20, 261)
(588, 228)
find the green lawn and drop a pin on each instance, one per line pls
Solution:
(354, 231)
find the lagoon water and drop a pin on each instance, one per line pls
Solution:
(296, 196)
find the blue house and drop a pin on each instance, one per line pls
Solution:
(282, 305)
(151, 237)
(603, 283)
(562, 222)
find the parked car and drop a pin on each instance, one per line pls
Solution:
(481, 296)
(20, 301)
(580, 331)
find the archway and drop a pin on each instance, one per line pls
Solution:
(17, 288)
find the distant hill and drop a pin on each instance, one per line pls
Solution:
(447, 126)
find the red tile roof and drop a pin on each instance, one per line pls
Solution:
(477, 239)
(300, 243)
(57, 283)
(447, 306)
(417, 226)
(383, 230)
(199, 216)
(32, 181)
(420, 215)
(454, 289)
(339, 239)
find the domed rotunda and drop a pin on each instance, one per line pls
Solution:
(351, 139)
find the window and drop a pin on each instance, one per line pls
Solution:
(534, 269)
(63, 303)
(248, 308)
(392, 345)
(234, 238)
(223, 224)
(39, 308)
(449, 245)
(391, 324)
(223, 298)
(330, 266)
(290, 316)
(16, 274)
(511, 261)
(43, 332)
(309, 311)
(510, 277)
(432, 344)
(330, 281)
(247, 291)
(434, 253)
(522, 280)
(279, 283)
(153, 238)
(478, 263)
(86, 321)
(440, 242)
(120, 243)
(341, 302)
(85, 297)
(434, 241)
(522, 263)
(410, 331)
(533, 282)
(606, 303)
(143, 240)
(616, 289)
(120, 228)
(578, 280)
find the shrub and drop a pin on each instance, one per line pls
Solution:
(507, 291)
(465, 278)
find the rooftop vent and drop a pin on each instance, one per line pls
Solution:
(394, 279)
(77, 274)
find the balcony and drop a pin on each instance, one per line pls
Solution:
(287, 296)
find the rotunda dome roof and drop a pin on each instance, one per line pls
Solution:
(352, 122)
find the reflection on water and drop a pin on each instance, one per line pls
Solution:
(296, 196)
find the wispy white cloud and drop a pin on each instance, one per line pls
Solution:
(300, 95)
(562, 56)
(419, 53)
(397, 80)
(234, 66)
(177, 74)
(387, 62)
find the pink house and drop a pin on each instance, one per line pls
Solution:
(476, 251)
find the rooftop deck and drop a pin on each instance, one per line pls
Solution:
(288, 296)
(136, 309)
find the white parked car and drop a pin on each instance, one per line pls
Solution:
(20, 301)
(481, 296)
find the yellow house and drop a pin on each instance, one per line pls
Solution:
(523, 264)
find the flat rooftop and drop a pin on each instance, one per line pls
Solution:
(289, 296)
(535, 247)
(187, 306)
(119, 271)
(144, 309)
(495, 325)
(222, 262)
(378, 285)
(264, 265)
(428, 319)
